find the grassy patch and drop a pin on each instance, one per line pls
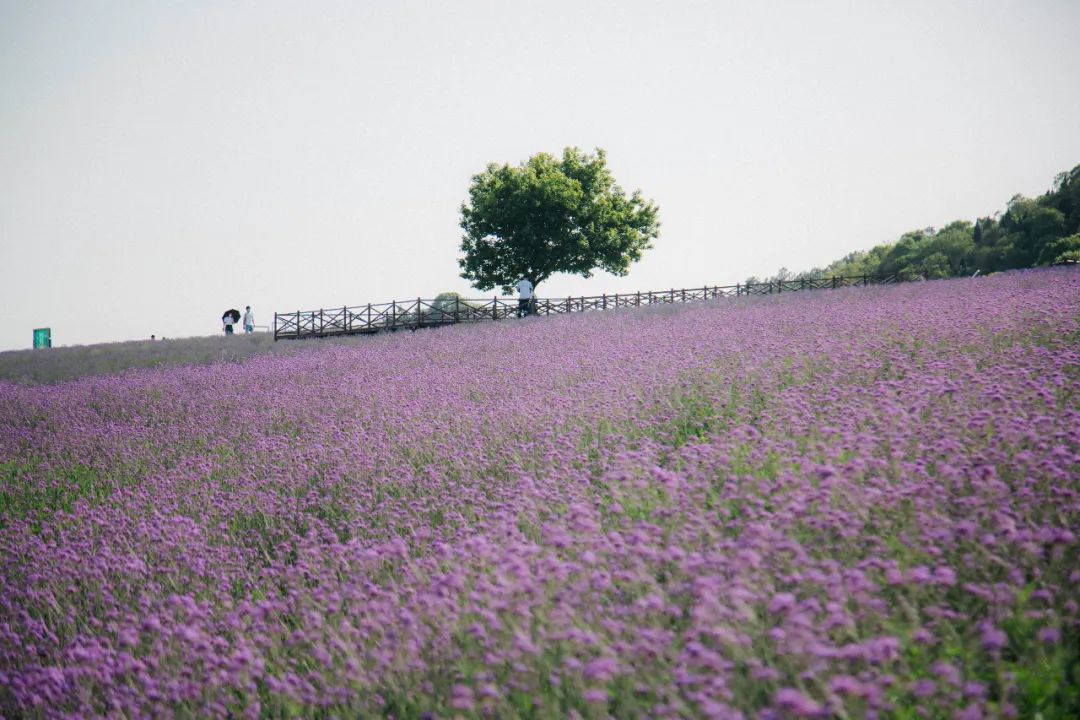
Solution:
(28, 493)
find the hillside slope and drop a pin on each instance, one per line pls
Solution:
(824, 504)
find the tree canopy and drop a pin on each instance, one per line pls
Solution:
(550, 215)
(1028, 233)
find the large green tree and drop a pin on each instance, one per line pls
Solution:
(550, 215)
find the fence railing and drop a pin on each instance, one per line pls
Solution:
(420, 313)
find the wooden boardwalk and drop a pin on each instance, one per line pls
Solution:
(421, 313)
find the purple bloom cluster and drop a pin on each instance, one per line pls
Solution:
(829, 504)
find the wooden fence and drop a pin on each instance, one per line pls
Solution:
(420, 313)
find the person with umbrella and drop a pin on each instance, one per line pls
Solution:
(230, 318)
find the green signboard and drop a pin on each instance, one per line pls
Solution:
(42, 337)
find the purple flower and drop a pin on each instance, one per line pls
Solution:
(944, 575)
(600, 669)
(781, 602)
(947, 672)
(846, 685)
(1049, 635)
(923, 688)
(595, 695)
(461, 697)
(919, 575)
(796, 703)
(992, 638)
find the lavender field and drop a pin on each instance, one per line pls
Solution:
(836, 504)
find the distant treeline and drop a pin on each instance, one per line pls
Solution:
(1028, 233)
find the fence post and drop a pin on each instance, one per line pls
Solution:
(346, 321)
(457, 309)
(393, 314)
(275, 327)
(369, 315)
(494, 307)
(604, 302)
(419, 313)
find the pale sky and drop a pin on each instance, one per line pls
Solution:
(161, 162)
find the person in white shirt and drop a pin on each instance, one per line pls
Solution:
(249, 321)
(227, 321)
(525, 289)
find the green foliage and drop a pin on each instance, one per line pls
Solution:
(1029, 233)
(23, 496)
(549, 215)
(447, 300)
(935, 266)
(1065, 197)
(446, 305)
(1064, 249)
(445, 308)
